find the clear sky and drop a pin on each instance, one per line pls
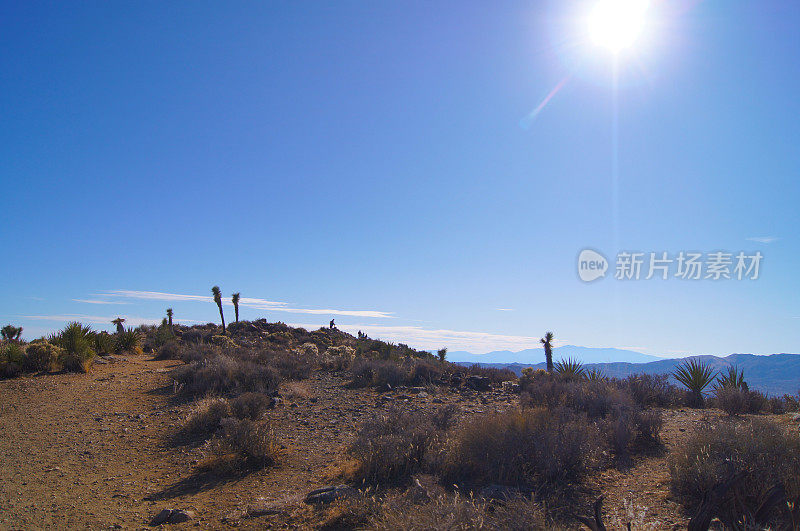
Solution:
(384, 164)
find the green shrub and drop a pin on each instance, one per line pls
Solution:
(43, 356)
(128, 341)
(223, 375)
(77, 340)
(758, 451)
(223, 342)
(12, 357)
(103, 343)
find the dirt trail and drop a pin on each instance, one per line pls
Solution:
(93, 451)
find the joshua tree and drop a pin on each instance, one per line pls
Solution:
(235, 300)
(11, 332)
(442, 353)
(218, 299)
(169, 316)
(118, 321)
(547, 341)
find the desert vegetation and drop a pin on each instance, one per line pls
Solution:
(531, 463)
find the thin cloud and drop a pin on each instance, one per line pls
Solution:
(98, 319)
(763, 239)
(93, 301)
(248, 302)
(505, 309)
(430, 339)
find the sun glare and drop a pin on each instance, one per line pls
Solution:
(617, 24)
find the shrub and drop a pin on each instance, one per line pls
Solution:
(224, 375)
(757, 401)
(250, 405)
(495, 375)
(12, 357)
(206, 416)
(244, 444)
(732, 400)
(77, 340)
(171, 350)
(695, 375)
(43, 356)
(757, 451)
(292, 365)
(223, 342)
(392, 447)
(649, 390)
(529, 448)
(366, 372)
(128, 341)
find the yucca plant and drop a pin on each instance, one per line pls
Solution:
(11, 332)
(128, 341)
(732, 379)
(218, 299)
(77, 340)
(547, 343)
(695, 376)
(571, 369)
(595, 375)
(235, 301)
(103, 343)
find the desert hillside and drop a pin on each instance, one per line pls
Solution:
(241, 429)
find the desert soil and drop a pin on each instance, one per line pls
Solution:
(94, 451)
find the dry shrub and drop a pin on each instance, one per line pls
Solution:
(759, 450)
(454, 512)
(494, 374)
(224, 375)
(250, 406)
(526, 448)
(391, 447)
(241, 444)
(731, 400)
(651, 390)
(351, 512)
(205, 416)
(293, 365)
(171, 350)
(294, 390)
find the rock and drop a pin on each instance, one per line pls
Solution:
(263, 507)
(498, 492)
(479, 383)
(384, 388)
(416, 390)
(422, 394)
(172, 516)
(330, 494)
(511, 387)
(438, 401)
(796, 418)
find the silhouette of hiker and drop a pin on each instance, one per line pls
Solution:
(332, 325)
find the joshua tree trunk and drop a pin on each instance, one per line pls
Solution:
(221, 316)
(547, 342)
(169, 317)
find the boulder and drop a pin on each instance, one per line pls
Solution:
(172, 516)
(511, 387)
(330, 494)
(479, 383)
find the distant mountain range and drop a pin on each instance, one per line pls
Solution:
(536, 355)
(776, 375)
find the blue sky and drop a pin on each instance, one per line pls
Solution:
(377, 162)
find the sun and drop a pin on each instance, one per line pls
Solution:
(617, 24)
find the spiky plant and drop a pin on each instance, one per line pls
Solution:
(695, 376)
(118, 321)
(235, 301)
(442, 353)
(732, 379)
(218, 299)
(103, 343)
(547, 342)
(11, 332)
(169, 318)
(571, 369)
(77, 340)
(595, 375)
(128, 341)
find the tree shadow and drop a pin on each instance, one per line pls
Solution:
(198, 482)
